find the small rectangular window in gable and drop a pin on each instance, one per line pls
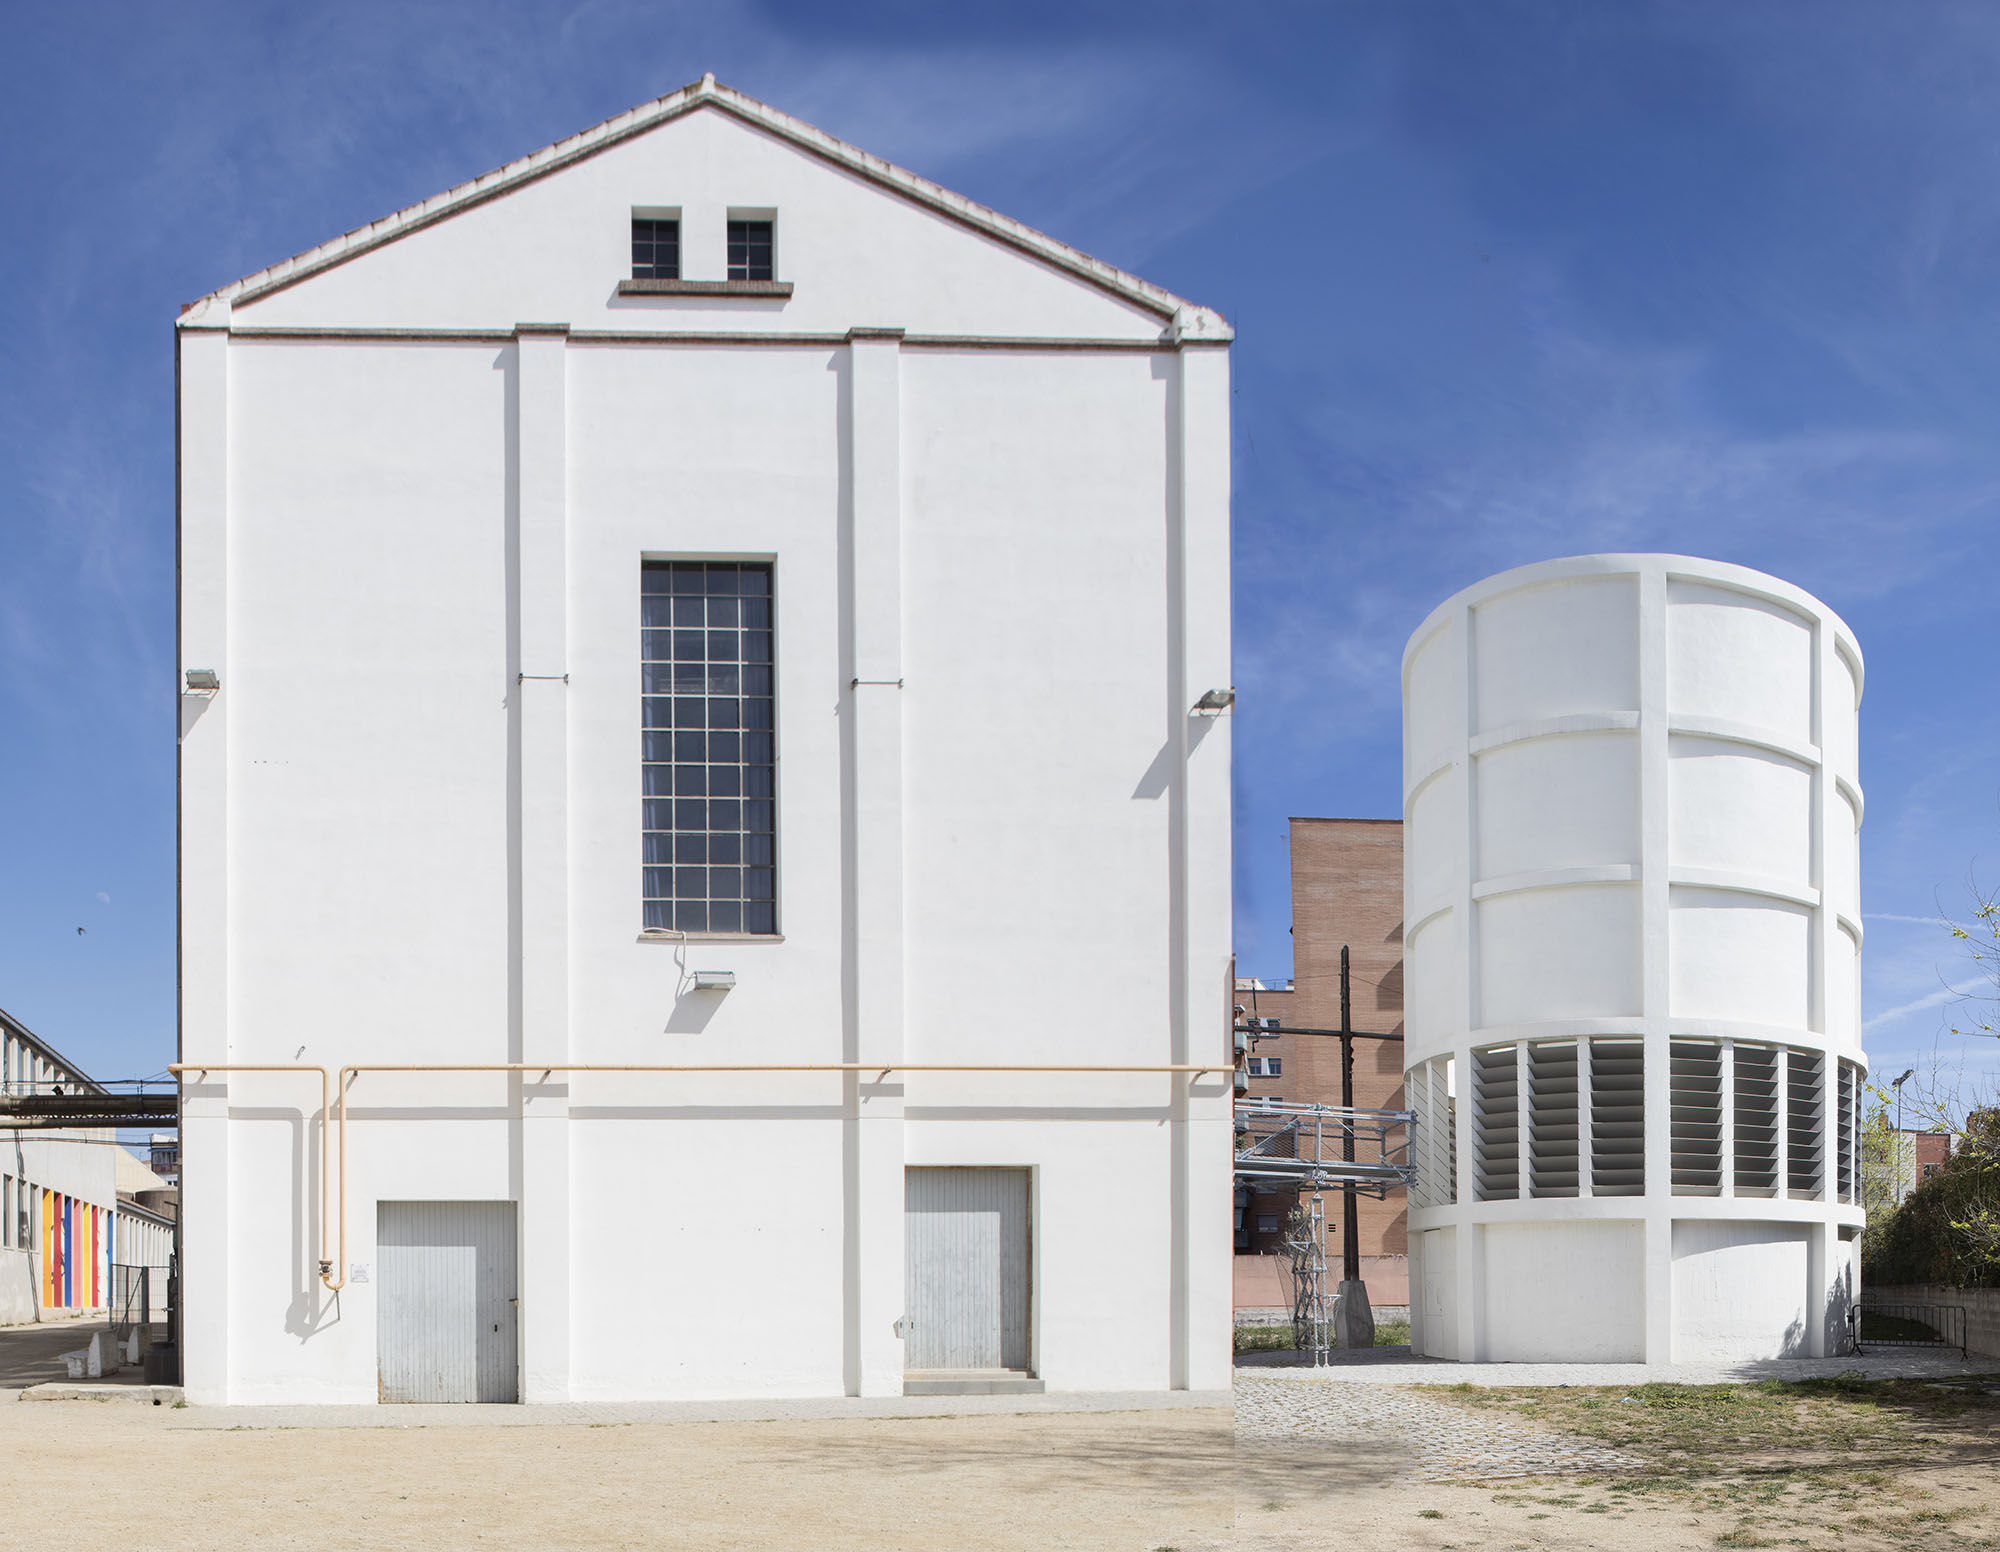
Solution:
(656, 246)
(750, 248)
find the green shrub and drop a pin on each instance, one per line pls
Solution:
(1947, 1230)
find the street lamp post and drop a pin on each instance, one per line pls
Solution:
(1902, 1175)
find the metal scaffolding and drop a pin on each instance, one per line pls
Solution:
(1317, 1147)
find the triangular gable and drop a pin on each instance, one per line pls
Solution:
(1187, 320)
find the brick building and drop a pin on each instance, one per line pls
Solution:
(1347, 888)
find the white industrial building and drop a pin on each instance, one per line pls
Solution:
(67, 1226)
(1633, 929)
(701, 597)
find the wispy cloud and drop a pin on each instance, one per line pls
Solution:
(1936, 999)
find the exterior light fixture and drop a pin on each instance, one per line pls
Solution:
(714, 980)
(203, 681)
(1215, 702)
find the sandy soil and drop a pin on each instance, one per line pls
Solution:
(137, 1476)
(126, 1476)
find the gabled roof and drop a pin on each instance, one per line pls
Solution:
(1188, 321)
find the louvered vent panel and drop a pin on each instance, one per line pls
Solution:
(1617, 1118)
(1756, 1121)
(1803, 1108)
(1850, 1078)
(1417, 1096)
(1497, 1097)
(1552, 1120)
(1695, 1094)
(1448, 1108)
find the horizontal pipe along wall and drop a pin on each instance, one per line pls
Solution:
(1632, 897)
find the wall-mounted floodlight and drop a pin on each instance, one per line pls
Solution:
(203, 681)
(714, 980)
(1215, 702)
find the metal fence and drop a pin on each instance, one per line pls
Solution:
(1909, 1325)
(131, 1303)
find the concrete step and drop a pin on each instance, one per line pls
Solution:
(971, 1382)
(144, 1395)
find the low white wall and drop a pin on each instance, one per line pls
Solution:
(17, 1288)
(1565, 1292)
(1739, 1290)
(1435, 1329)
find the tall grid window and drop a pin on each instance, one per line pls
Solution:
(749, 250)
(656, 248)
(709, 774)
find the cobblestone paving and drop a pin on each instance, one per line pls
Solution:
(1443, 1442)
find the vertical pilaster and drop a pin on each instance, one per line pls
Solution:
(1469, 1296)
(1727, 1051)
(541, 723)
(1820, 1261)
(873, 703)
(203, 372)
(1655, 965)
(1524, 1116)
(1199, 632)
(1586, 1160)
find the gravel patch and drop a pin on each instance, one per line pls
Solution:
(1399, 1366)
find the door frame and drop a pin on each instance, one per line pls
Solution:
(1033, 1277)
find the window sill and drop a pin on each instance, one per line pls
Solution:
(704, 288)
(712, 937)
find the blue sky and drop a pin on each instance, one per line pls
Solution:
(1511, 280)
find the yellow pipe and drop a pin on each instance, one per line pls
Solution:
(348, 1072)
(325, 1104)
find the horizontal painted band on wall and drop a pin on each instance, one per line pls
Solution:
(1436, 763)
(327, 1262)
(1633, 1025)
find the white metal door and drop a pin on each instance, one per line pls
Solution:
(966, 1260)
(445, 1310)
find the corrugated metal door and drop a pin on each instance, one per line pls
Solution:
(445, 1311)
(966, 1259)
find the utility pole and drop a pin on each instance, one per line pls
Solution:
(1353, 1320)
(1350, 1245)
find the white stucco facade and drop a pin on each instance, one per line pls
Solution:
(1633, 930)
(422, 471)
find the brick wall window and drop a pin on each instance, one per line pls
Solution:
(709, 768)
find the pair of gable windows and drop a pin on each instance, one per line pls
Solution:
(656, 249)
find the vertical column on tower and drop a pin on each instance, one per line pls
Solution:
(873, 703)
(541, 884)
(1655, 968)
(1825, 1313)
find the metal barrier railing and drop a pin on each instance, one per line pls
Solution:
(1909, 1325)
(131, 1303)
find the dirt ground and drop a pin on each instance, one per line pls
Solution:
(142, 1477)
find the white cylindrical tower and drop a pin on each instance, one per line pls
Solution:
(1632, 916)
